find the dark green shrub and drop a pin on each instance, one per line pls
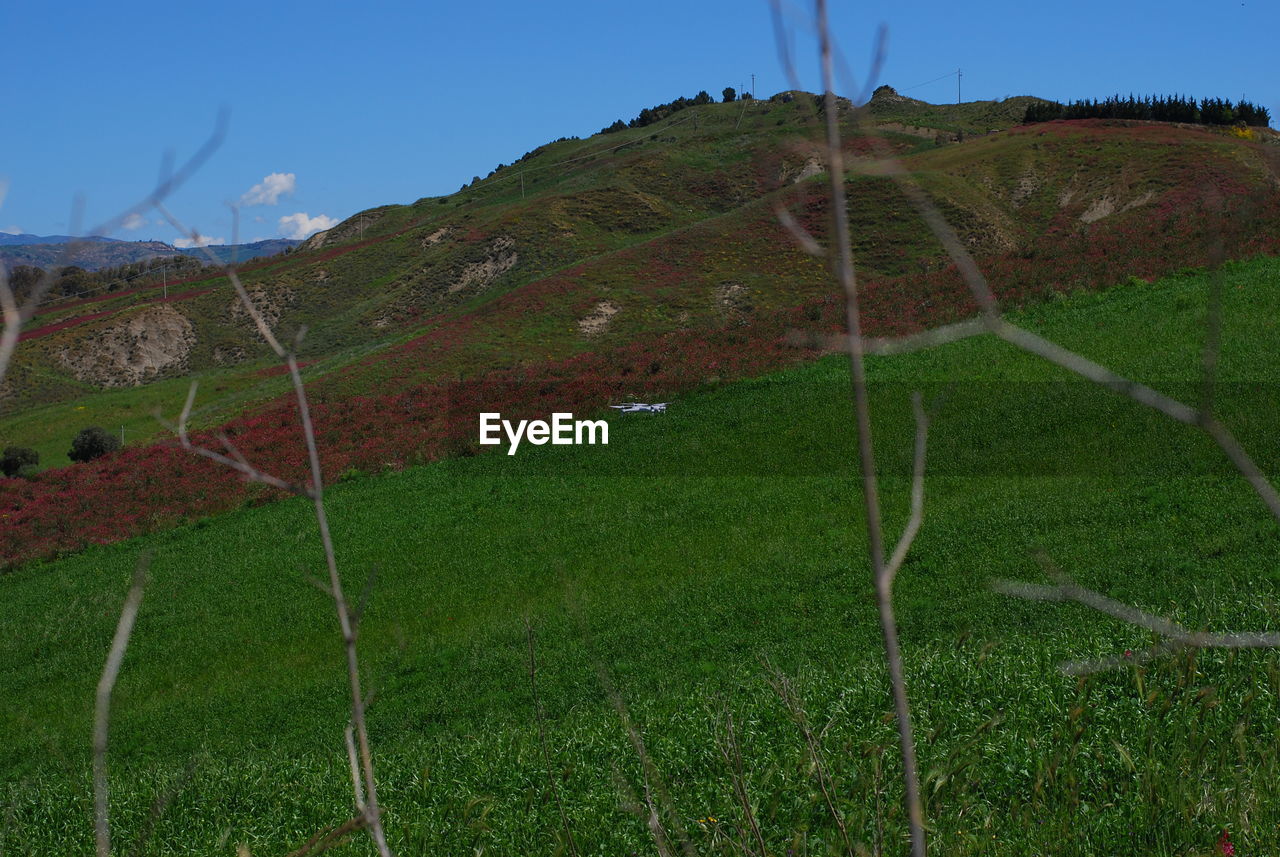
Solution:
(17, 459)
(93, 442)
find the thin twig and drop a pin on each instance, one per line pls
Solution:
(649, 771)
(357, 787)
(102, 704)
(928, 339)
(1067, 359)
(264, 329)
(16, 315)
(326, 839)
(372, 811)
(546, 747)
(866, 454)
(917, 490)
(732, 754)
(159, 805)
(887, 346)
(366, 790)
(235, 461)
(801, 235)
(1176, 636)
(782, 686)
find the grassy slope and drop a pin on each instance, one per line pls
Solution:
(672, 560)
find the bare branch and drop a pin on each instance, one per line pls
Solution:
(326, 839)
(732, 754)
(928, 339)
(1129, 658)
(795, 708)
(15, 316)
(1054, 353)
(570, 842)
(799, 233)
(186, 411)
(372, 812)
(1035, 344)
(866, 454)
(357, 787)
(259, 322)
(102, 704)
(1069, 590)
(917, 490)
(366, 790)
(1176, 636)
(1242, 462)
(1097, 373)
(884, 347)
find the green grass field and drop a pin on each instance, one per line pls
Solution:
(668, 565)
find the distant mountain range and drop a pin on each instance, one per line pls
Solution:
(44, 251)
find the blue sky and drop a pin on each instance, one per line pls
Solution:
(334, 109)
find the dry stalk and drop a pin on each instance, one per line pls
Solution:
(1201, 417)
(732, 754)
(795, 707)
(1175, 636)
(326, 839)
(368, 800)
(652, 779)
(990, 320)
(570, 842)
(158, 807)
(882, 573)
(102, 704)
(15, 315)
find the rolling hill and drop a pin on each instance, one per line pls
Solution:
(642, 260)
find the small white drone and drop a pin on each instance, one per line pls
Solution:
(636, 407)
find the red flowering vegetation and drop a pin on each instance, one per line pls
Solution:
(282, 369)
(142, 489)
(38, 332)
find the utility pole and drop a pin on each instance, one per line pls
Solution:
(522, 184)
(753, 86)
(959, 74)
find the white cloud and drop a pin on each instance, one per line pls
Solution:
(301, 225)
(134, 221)
(12, 230)
(270, 189)
(198, 241)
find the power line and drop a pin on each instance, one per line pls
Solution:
(955, 73)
